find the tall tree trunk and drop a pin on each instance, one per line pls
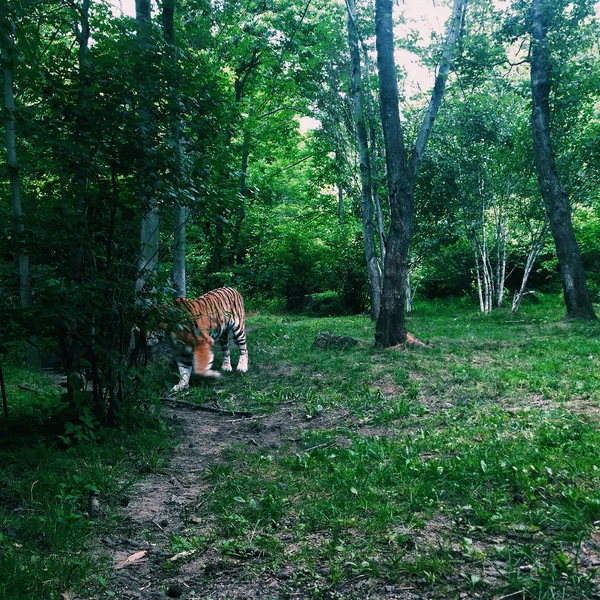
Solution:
(401, 176)
(148, 259)
(179, 247)
(179, 242)
(25, 295)
(555, 197)
(243, 73)
(501, 260)
(237, 252)
(478, 274)
(81, 159)
(365, 165)
(391, 324)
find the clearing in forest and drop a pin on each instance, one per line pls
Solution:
(467, 468)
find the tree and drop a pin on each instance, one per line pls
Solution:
(366, 168)
(7, 48)
(555, 197)
(180, 209)
(148, 260)
(402, 169)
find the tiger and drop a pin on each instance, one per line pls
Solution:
(218, 314)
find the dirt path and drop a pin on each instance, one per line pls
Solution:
(169, 503)
(162, 505)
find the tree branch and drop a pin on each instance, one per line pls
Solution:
(458, 13)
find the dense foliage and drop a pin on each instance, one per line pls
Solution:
(114, 119)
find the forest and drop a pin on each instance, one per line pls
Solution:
(418, 178)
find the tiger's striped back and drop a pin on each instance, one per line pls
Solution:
(218, 314)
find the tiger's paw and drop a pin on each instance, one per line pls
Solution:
(210, 373)
(226, 367)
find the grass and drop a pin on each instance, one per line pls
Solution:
(473, 464)
(469, 466)
(47, 537)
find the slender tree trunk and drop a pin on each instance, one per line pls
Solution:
(371, 118)
(25, 295)
(243, 73)
(401, 176)
(555, 197)
(478, 276)
(537, 243)
(365, 165)
(340, 192)
(486, 266)
(501, 277)
(237, 252)
(179, 247)
(179, 242)
(81, 159)
(148, 260)
(373, 163)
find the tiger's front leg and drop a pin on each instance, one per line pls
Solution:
(243, 362)
(239, 337)
(185, 373)
(203, 359)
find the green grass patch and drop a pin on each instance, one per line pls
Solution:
(47, 537)
(424, 462)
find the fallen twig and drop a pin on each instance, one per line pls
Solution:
(323, 445)
(30, 389)
(192, 406)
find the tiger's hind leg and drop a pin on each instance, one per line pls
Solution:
(224, 341)
(239, 337)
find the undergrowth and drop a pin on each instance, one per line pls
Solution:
(47, 534)
(467, 466)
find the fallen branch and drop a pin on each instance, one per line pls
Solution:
(323, 445)
(30, 389)
(192, 406)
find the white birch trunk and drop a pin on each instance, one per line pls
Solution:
(179, 252)
(478, 276)
(537, 244)
(502, 261)
(485, 264)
